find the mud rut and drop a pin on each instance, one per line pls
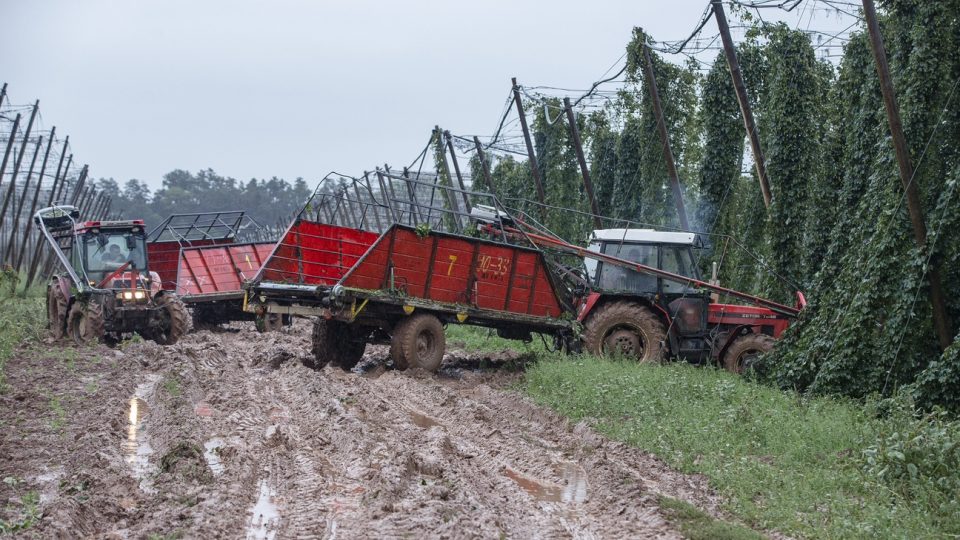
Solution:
(226, 434)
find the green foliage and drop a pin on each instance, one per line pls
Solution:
(783, 461)
(21, 319)
(696, 524)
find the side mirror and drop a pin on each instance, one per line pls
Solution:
(131, 243)
(102, 239)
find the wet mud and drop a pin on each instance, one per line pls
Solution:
(227, 434)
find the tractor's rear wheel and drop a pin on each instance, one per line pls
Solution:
(85, 323)
(56, 310)
(626, 328)
(744, 351)
(173, 320)
(336, 343)
(418, 341)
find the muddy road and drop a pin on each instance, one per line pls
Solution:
(227, 434)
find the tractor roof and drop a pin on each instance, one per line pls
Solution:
(644, 235)
(130, 223)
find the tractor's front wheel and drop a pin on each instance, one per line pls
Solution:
(335, 343)
(744, 351)
(173, 320)
(85, 323)
(626, 328)
(56, 310)
(418, 341)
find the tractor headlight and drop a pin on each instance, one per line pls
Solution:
(139, 295)
(128, 295)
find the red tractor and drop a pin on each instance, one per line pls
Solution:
(106, 289)
(639, 294)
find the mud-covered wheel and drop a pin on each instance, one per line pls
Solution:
(56, 310)
(85, 323)
(269, 322)
(626, 328)
(334, 343)
(173, 320)
(744, 351)
(418, 341)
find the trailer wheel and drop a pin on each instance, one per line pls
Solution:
(625, 327)
(85, 323)
(334, 343)
(269, 322)
(173, 320)
(418, 342)
(745, 350)
(56, 310)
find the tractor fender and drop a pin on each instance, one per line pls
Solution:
(595, 299)
(740, 330)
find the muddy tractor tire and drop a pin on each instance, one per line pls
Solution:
(626, 328)
(173, 320)
(269, 322)
(743, 352)
(334, 343)
(418, 342)
(56, 310)
(85, 323)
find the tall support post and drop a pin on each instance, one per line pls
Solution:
(412, 192)
(27, 226)
(584, 170)
(12, 190)
(451, 200)
(741, 89)
(941, 319)
(106, 208)
(63, 181)
(77, 188)
(531, 154)
(10, 141)
(9, 255)
(374, 206)
(456, 168)
(485, 166)
(664, 136)
(3, 94)
(58, 182)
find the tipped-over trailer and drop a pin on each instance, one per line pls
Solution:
(198, 257)
(631, 291)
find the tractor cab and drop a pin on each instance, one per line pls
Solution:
(687, 306)
(113, 255)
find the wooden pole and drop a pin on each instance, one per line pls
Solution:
(531, 154)
(10, 141)
(78, 187)
(451, 200)
(12, 190)
(584, 170)
(456, 168)
(941, 319)
(741, 90)
(27, 227)
(485, 166)
(38, 253)
(664, 137)
(10, 254)
(63, 181)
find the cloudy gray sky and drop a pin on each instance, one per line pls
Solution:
(294, 87)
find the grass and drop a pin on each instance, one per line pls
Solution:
(783, 462)
(29, 515)
(696, 524)
(22, 317)
(474, 338)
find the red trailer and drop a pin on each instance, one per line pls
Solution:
(383, 280)
(198, 257)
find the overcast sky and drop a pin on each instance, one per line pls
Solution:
(294, 88)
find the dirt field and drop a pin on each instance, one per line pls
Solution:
(226, 434)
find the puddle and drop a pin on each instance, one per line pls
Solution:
(575, 490)
(266, 516)
(422, 420)
(136, 449)
(212, 456)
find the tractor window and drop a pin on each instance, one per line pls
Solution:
(677, 260)
(591, 264)
(614, 277)
(106, 252)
